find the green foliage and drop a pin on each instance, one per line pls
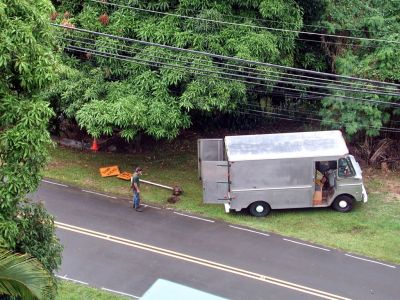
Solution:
(24, 277)
(375, 60)
(27, 64)
(36, 235)
(26, 57)
(109, 96)
(75, 291)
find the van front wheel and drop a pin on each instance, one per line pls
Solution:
(343, 203)
(259, 209)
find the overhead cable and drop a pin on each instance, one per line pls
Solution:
(196, 70)
(243, 25)
(382, 128)
(291, 23)
(223, 56)
(298, 82)
(283, 75)
(303, 111)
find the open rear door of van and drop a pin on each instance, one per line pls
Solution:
(213, 170)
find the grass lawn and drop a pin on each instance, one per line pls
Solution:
(73, 291)
(371, 229)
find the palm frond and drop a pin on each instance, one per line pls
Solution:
(24, 276)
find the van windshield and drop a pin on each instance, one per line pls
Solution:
(345, 168)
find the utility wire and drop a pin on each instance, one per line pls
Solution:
(285, 75)
(303, 111)
(299, 82)
(244, 25)
(394, 129)
(223, 57)
(291, 23)
(73, 48)
(280, 22)
(336, 43)
(388, 129)
(158, 64)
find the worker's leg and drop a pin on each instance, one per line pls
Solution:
(136, 200)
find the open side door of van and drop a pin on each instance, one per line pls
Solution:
(213, 170)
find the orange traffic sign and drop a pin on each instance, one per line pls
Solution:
(125, 176)
(109, 171)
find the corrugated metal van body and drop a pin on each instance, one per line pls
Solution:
(282, 183)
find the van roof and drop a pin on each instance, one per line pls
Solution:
(285, 145)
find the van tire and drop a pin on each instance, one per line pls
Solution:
(343, 203)
(259, 209)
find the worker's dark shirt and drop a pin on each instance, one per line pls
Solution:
(135, 179)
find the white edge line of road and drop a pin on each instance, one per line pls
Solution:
(73, 280)
(155, 207)
(99, 194)
(249, 230)
(307, 245)
(372, 261)
(121, 293)
(193, 217)
(55, 183)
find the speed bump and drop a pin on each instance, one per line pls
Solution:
(109, 171)
(125, 176)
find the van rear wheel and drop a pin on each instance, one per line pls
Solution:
(343, 203)
(259, 209)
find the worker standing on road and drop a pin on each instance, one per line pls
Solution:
(135, 185)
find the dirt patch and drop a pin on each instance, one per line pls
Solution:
(88, 182)
(394, 187)
(55, 164)
(387, 182)
(357, 229)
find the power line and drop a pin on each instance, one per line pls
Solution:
(307, 112)
(244, 25)
(224, 57)
(299, 119)
(335, 43)
(334, 84)
(157, 64)
(303, 111)
(84, 50)
(283, 22)
(298, 82)
(382, 128)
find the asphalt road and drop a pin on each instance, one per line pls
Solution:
(108, 245)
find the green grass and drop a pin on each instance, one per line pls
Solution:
(73, 291)
(371, 229)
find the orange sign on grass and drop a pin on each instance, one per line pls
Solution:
(125, 176)
(109, 171)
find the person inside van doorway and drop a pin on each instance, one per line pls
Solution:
(135, 185)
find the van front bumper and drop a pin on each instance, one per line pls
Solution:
(364, 194)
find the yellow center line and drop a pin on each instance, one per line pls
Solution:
(200, 261)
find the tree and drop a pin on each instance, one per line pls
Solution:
(28, 64)
(107, 96)
(371, 59)
(23, 277)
